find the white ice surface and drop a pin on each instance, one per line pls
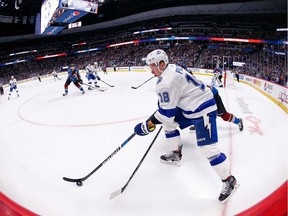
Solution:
(45, 136)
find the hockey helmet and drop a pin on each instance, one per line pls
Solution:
(156, 56)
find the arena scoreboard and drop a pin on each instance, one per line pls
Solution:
(55, 15)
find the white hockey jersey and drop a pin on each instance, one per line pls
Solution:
(90, 69)
(176, 88)
(13, 83)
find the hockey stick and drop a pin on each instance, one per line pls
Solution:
(93, 87)
(79, 181)
(142, 83)
(116, 193)
(107, 83)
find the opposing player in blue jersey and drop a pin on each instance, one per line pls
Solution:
(91, 75)
(184, 101)
(13, 86)
(75, 77)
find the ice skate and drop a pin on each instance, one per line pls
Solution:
(97, 86)
(173, 157)
(89, 88)
(240, 124)
(83, 92)
(65, 94)
(229, 187)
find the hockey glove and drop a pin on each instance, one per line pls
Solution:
(142, 129)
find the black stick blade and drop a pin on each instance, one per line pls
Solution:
(71, 180)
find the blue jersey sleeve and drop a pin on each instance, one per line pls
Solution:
(69, 72)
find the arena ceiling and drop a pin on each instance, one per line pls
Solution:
(17, 17)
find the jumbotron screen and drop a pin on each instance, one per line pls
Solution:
(47, 10)
(89, 6)
(57, 14)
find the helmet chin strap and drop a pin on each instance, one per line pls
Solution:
(159, 69)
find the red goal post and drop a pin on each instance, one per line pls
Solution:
(228, 79)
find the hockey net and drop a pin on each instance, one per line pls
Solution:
(228, 79)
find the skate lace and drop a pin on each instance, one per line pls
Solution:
(240, 122)
(225, 188)
(172, 155)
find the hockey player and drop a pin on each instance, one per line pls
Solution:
(13, 85)
(55, 75)
(221, 111)
(217, 77)
(104, 68)
(96, 66)
(73, 76)
(237, 74)
(1, 88)
(183, 100)
(91, 75)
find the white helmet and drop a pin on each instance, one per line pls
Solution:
(156, 57)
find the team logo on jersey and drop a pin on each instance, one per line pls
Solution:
(201, 139)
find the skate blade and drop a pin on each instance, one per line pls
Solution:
(173, 163)
(232, 192)
(102, 88)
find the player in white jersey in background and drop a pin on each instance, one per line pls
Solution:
(55, 75)
(13, 85)
(96, 66)
(91, 75)
(183, 101)
(217, 77)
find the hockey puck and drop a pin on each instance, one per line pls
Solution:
(79, 183)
